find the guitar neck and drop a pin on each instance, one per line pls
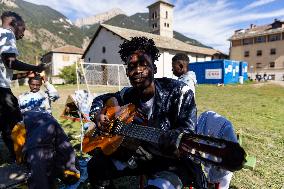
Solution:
(144, 133)
(225, 154)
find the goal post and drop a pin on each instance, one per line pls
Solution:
(105, 74)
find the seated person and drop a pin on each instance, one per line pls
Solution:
(212, 124)
(168, 105)
(47, 151)
(37, 99)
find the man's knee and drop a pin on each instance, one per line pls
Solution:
(164, 180)
(98, 165)
(151, 187)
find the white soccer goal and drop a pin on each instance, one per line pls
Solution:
(105, 74)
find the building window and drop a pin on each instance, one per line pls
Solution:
(275, 37)
(273, 51)
(248, 41)
(166, 14)
(260, 39)
(246, 54)
(89, 59)
(272, 77)
(271, 64)
(104, 61)
(259, 53)
(65, 58)
(153, 15)
(168, 25)
(258, 65)
(104, 49)
(236, 43)
(165, 24)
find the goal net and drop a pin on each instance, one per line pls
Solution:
(105, 74)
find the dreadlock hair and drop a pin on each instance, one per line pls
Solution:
(138, 44)
(36, 77)
(16, 18)
(180, 56)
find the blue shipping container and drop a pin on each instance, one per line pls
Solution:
(237, 71)
(216, 71)
(244, 70)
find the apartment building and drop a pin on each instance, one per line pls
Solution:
(262, 47)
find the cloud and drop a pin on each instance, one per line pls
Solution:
(211, 22)
(258, 3)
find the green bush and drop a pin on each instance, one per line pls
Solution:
(68, 73)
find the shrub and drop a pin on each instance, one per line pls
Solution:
(68, 73)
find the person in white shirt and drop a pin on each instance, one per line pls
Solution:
(13, 28)
(37, 99)
(180, 69)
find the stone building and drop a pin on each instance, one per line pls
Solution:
(59, 58)
(104, 46)
(262, 47)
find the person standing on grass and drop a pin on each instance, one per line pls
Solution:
(180, 69)
(36, 99)
(13, 28)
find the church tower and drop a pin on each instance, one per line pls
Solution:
(161, 18)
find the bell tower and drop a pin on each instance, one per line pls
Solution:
(161, 18)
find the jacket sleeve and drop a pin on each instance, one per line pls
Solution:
(187, 112)
(98, 103)
(51, 92)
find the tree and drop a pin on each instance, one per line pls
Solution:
(68, 73)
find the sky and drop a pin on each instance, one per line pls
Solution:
(211, 22)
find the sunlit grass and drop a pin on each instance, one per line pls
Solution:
(257, 111)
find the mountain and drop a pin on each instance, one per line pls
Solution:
(46, 29)
(98, 18)
(138, 21)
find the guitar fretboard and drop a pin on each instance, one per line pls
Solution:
(148, 134)
(226, 154)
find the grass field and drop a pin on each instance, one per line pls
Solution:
(256, 110)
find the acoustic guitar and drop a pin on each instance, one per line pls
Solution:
(224, 154)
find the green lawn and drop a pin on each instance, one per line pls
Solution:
(257, 111)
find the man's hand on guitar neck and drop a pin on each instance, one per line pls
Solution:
(168, 142)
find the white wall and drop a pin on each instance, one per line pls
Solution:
(168, 64)
(160, 66)
(198, 57)
(58, 62)
(111, 43)
(164, 64)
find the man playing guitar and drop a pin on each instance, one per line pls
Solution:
(165, 104)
